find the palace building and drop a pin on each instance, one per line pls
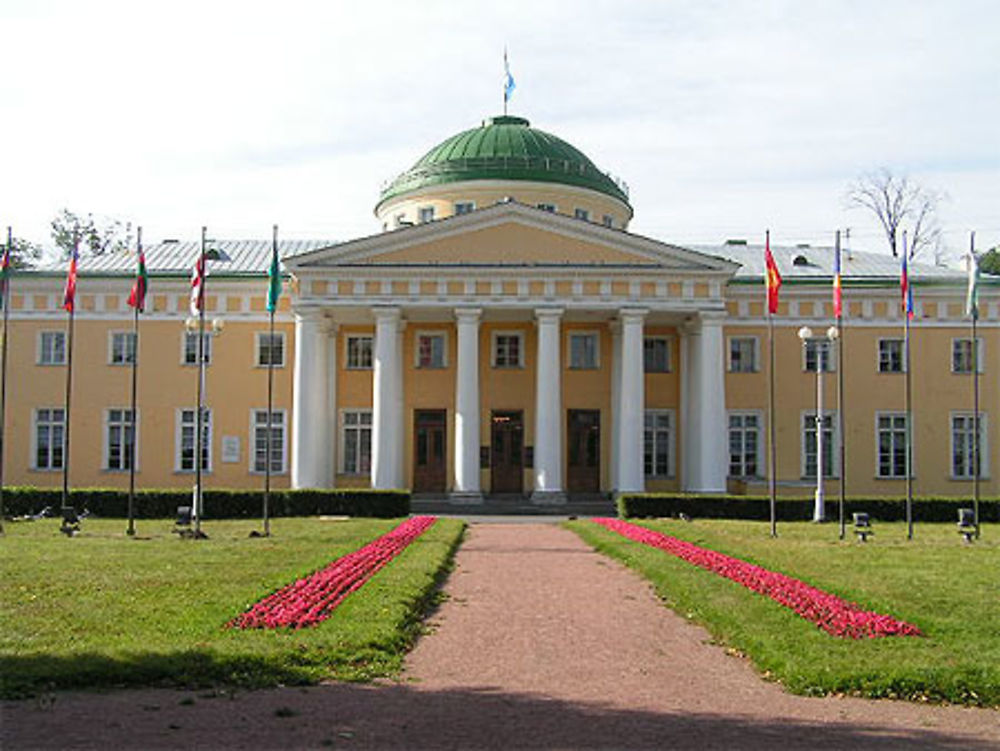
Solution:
(504, 334)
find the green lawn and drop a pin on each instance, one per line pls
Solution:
(105, 610)
(951, 591)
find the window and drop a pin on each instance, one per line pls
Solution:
(549, 207)
(743, 354)
(962, 355)
(656, 354)
(963, 447)
(258, 439)
(359, 352)
(186, 440)
(809, 444)
(191, 348)
(425, 214)
(658, 444)
(464, 207)
(52, 348)
(744, 444)
(357, 442)
(818, 351)
(50, 426)
(891, 445)
(507, 350)
(122, 348)
(608, 221)
(271, 351)
(583, 351)
(430, 351)
(581, 214)
(118, 448)
(890, 355)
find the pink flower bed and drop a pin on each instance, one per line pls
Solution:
(313, 598)
(827, 611)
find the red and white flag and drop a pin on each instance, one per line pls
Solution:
(198, 286)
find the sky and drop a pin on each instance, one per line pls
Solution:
(725, 118)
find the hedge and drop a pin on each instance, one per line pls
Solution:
(757, 508)
(218, 504)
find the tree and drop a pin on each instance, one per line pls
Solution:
(899, 204)
(23, 253)
(989, 262)
(107, 235)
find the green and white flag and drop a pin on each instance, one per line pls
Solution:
(273, 279)
(972, 296)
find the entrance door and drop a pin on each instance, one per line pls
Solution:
(583, 461)
(507, 452)
(429, 455)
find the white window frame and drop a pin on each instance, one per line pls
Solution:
(207, 352)
(425, 214)
(671, 443)
(758, 430)
(347, 351)
(902, 354)
(439, 333)
(281, 426)
(907, 435)
(755, 354)
(34, 440)
(464, 207)
(125, 337)
(831, 469)
(669, 350)
(581, 214)
(984, 448)
(494, 343)
(207, 425)
(46, 354)
(569, 348)
(980, 351)
(344, 427)
(824, 344)
(258, 349)
(106, 456)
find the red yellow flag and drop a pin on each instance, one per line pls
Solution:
(772, 278)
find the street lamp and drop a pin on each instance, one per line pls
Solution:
(806, 335)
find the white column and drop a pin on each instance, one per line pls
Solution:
(631, 404)
(386, 400)
(616, 390)
(333, 438)
(705, 433)
(309, 399)
(467, 487)
(548, 411)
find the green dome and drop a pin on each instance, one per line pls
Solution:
(504, 148)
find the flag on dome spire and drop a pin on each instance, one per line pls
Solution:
(508, 82)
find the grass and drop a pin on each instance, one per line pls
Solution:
(947, 589)
(103, 610)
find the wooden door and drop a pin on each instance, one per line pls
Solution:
(507, 452)
(429, 451)
(583, 460)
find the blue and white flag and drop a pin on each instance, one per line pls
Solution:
(508, 79)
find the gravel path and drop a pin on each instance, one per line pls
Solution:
(542, 644)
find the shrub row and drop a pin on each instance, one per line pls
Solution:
(757, 508)
(218, 504)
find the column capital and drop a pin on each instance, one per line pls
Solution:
(468, 315)
(548, 315)
(386, 314)
(632, 315)
(309, 314)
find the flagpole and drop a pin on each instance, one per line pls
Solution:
(270, 389)
(69, 378)
(840, 389)
(199, 448)
(974, 314)
(909, 413)
(772, 484)
(132, 408)
(3, 358)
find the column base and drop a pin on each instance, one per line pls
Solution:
(548, 497)
(465, 497)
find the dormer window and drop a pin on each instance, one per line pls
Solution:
(582, 214)
(549, 207)
(608, 220)
(464, 207)
(425, 214)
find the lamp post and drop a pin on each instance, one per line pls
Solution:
(806, 335)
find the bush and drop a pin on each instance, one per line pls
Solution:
(218, 504)
(757, 508)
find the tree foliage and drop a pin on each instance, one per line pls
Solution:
(98, 236)
(23, 253)
(989, 262)
(899, 204)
